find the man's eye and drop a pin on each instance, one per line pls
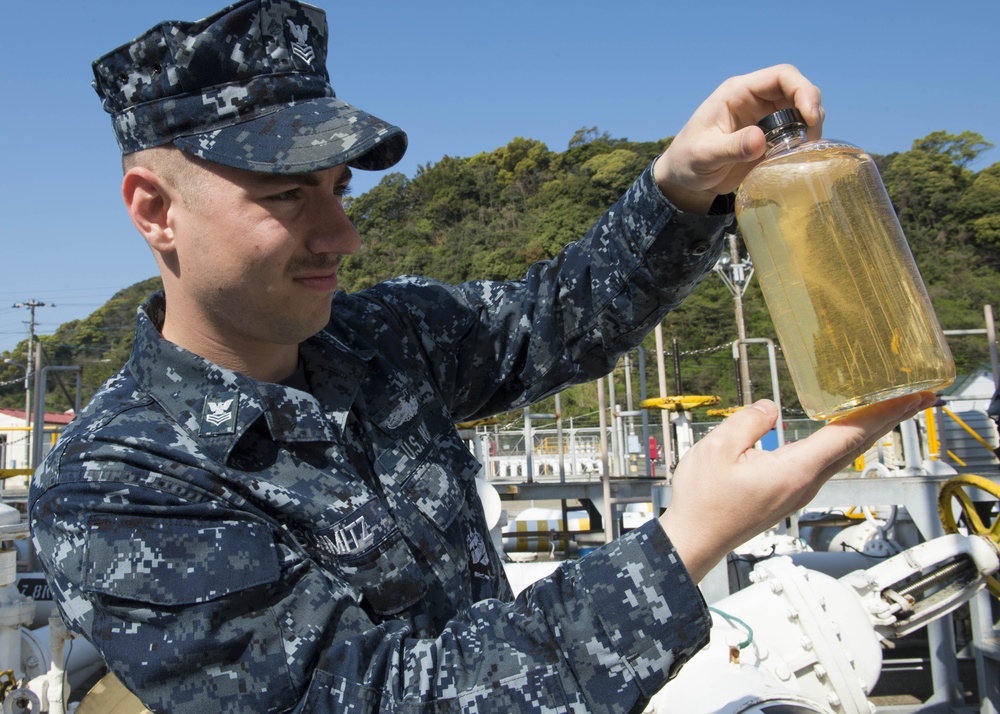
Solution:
(289, 195)
(343, 190)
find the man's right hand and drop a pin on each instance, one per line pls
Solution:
(720, 143)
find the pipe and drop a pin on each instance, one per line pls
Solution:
(41, 382)
(56, 677)
(991, 336)
(668, 448)
(605, 474)
(912, 464)
(772, 359)
(650, 468)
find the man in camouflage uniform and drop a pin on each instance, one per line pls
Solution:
(269, 509)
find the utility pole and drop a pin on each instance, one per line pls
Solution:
(29, 366)
(736, 273)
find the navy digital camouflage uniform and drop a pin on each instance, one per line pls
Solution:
(239, 546)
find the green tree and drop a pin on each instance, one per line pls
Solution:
(926, 183)
(980, 208)
(613, 172)
(961, 150)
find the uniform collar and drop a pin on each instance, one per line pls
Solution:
(218, 405)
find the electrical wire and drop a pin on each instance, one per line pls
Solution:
(732, 618)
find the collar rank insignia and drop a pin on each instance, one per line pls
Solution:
(301, 47)
(219, 415)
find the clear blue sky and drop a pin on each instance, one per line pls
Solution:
(461, 78)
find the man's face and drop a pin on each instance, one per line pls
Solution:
(256, 256)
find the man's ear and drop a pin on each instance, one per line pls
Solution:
(148, 200)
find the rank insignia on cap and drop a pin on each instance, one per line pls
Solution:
(219, 414)
(301, 47)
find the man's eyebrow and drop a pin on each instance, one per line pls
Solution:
(301, 179)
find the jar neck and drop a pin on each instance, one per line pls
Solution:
(784, 139)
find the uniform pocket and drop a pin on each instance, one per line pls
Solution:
(176, 562)
(436, 492)
(366, 549)
(388, 577)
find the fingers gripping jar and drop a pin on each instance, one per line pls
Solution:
(850, 310)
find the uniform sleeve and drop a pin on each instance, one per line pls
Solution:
(494, 346)
(194, 609)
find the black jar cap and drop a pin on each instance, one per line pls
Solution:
(781, 119)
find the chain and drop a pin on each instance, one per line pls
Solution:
(7, 683)
(709, 350)
(703, 351)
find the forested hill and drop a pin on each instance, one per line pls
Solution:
(493, 214)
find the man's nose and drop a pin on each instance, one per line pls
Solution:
(330, 230)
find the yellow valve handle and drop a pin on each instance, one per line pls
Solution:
(682, 403)
(956, 488)
(489, 421)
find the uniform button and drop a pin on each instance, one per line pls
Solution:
(675, 669)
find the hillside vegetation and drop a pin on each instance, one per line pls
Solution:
(493, 214)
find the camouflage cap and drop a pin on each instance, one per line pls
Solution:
(247, 88)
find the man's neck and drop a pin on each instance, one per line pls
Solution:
(265, 362)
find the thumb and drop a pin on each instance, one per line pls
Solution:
(747, 144)
(746, 427)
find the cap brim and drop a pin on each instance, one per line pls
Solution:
(302, 137)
